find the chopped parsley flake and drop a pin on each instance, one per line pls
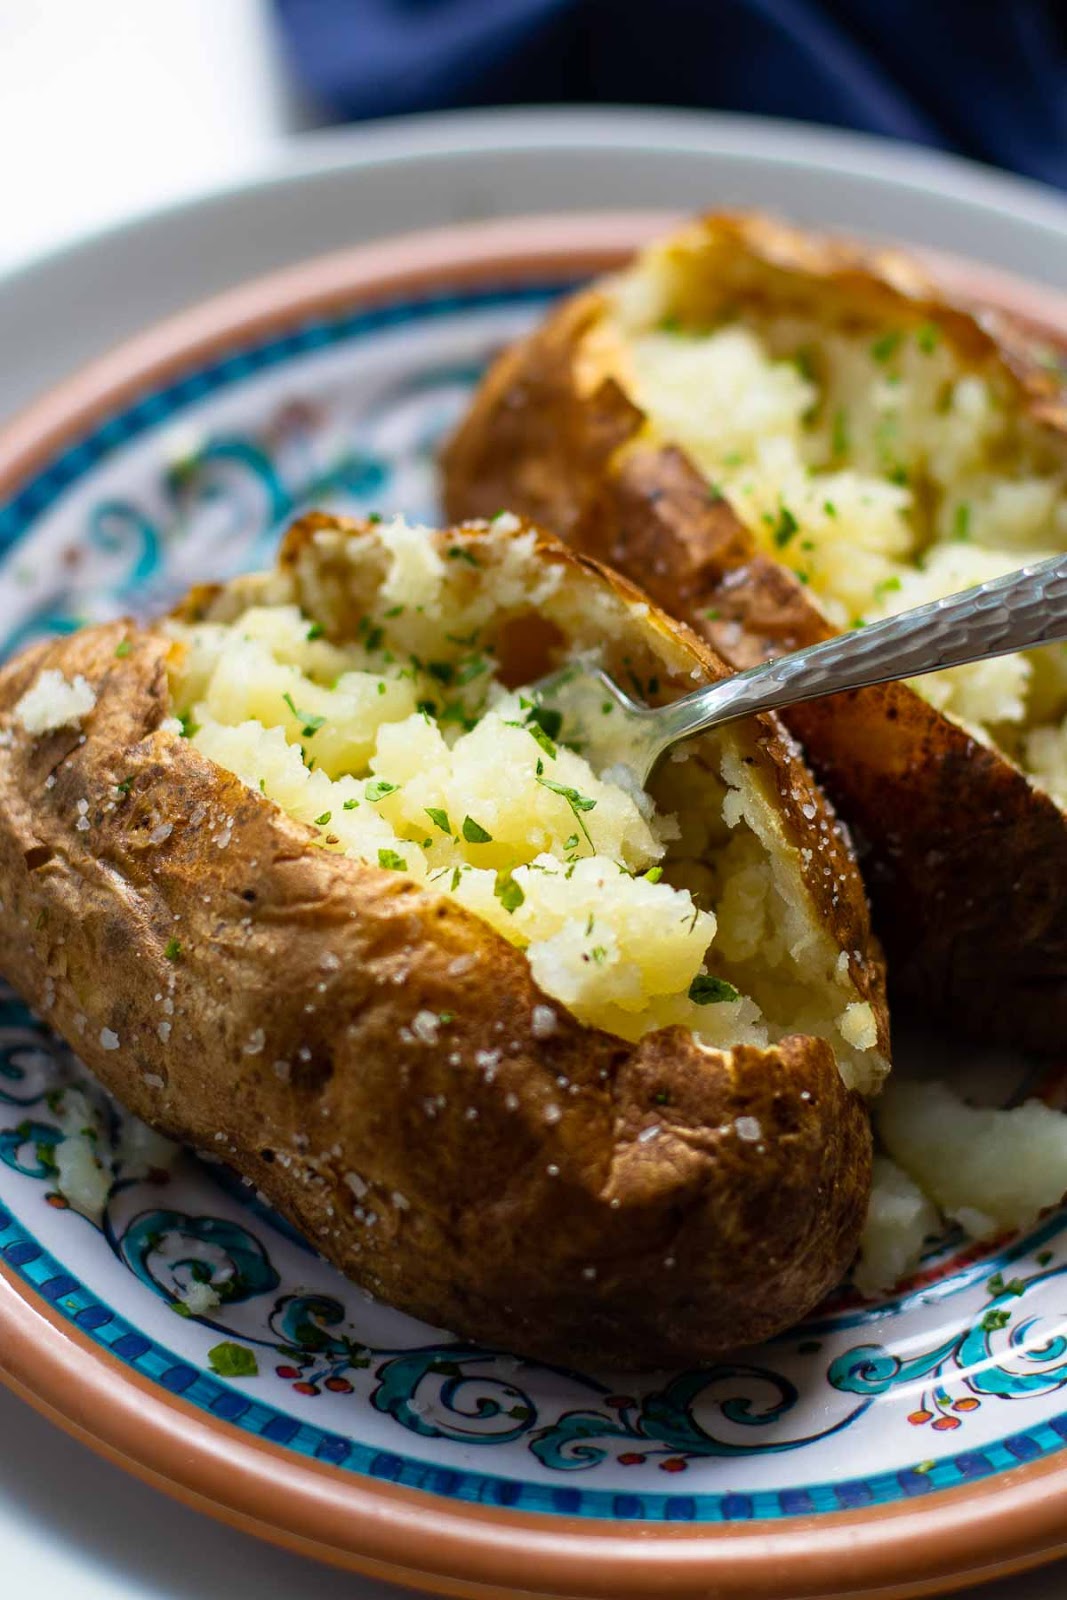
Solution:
(390, 858)
(439, 819)
(315, 631)
(787, 527)
(378, 789)
(474, 833)
(458, 553)
(840, 436)
(173, 950)
(321, 822)
(996, 1285)
(123, 648)
(829, 507)
(231, 1360)
(995, 1318)
(708, 991)
(125, 786)
(310, 724)
(508, 892)
(350, 805)
(189, 727)
(927, 338)
(543, 725)
(577, 802)
(961, 522)
(885, 347)
(653, 875)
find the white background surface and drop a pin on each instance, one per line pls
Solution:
(108, 106)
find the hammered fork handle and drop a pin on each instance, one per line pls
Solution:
(1016, 612)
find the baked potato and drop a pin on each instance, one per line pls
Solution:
(312, 885)
(781, 435)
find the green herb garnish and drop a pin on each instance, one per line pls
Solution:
(884, 348)
(474, 833)
(389, 858)
(310, 724)
(839, 437)
(439, 819)
(458, 553)
(231, 1360)
(315, 631)
(350, 805)
(378, 789)
(708, 991)
(173, 950)
(927, 338)
(508, 892)
(786, 528)
(577, 802)
(995, 1318)
(123, 648)
(321, 822)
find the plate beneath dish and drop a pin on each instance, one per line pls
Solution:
(364, 1436)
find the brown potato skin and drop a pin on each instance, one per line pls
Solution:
(665, 1251)
(965, 860)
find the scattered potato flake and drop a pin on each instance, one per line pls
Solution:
(858, 1026)
(986, 1168)
(900, 1218)
(199, 1299)
(79, 1176)
(52, 702)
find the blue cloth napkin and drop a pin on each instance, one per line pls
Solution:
(987, 78)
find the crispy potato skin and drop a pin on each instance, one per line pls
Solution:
(423, 1176)
(965, 860)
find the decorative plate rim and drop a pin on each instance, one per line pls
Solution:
(996, 1525)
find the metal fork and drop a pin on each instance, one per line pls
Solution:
(1016, 612)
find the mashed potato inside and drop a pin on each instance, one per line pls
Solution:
(878, 468)
(403, 747)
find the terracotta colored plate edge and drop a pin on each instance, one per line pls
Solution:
(1002, 1525)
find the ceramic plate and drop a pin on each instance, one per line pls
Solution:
(892, 1448)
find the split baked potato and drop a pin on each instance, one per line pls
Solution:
(311, 884)
(781, 435)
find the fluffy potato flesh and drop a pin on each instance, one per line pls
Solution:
(875, 461)
(397, 740)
